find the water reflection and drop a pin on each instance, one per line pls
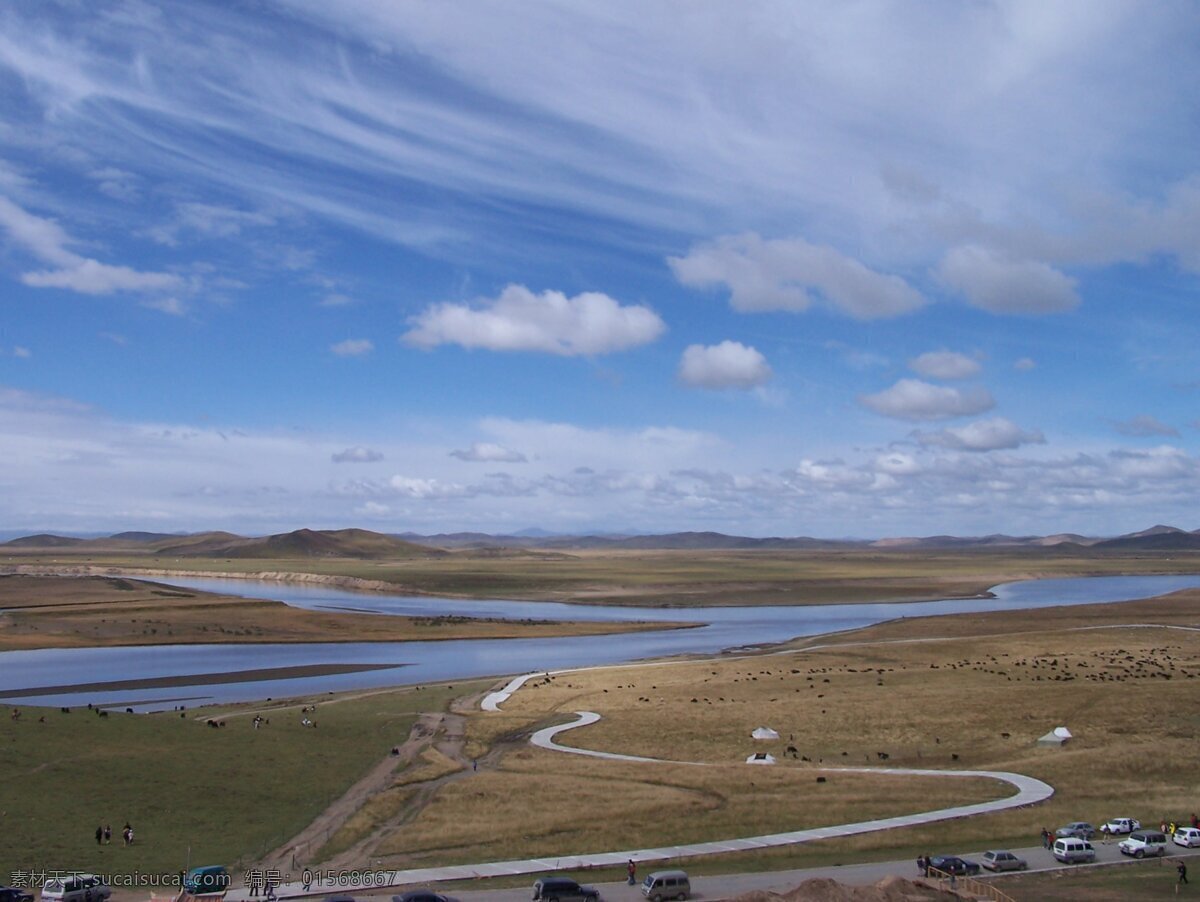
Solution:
(723, 628)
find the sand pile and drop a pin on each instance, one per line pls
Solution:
(822, 889)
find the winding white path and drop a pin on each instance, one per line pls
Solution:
(1029, 792)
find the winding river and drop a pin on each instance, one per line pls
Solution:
(49, 676)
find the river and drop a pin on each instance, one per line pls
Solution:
(45, 676)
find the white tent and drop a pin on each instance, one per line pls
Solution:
(1053, 739)
(1062, 732)
(764, 733)
(761, 758)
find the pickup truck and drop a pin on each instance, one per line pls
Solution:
(1121, 825)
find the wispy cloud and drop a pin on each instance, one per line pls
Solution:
(47, 241)
(353, 347)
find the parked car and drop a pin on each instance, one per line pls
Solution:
(1072, 850)
(75, 888)
(14, 894)
(952, 864)
(1121, 825)
(661, 885)
(563, 889)
(1188, 837)
(206, 880)
(1079, 829)
(996, 860)
(1141, 843)
(422, 895)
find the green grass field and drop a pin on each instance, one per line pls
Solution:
(191, 792)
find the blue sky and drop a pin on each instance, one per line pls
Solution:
(834, 269)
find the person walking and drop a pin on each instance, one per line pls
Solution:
(1181, 869)
(631, 872)
(99, 835)
(107, 834)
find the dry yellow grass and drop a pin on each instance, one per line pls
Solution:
(978, 700)
(67, 612)
(546, 804)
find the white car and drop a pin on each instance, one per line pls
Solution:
(1186, 836)
(1122, 825)
(75, 888)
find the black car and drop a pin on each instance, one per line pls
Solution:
(952, 864)
(13, 894)
(563, 889)
(422, 895)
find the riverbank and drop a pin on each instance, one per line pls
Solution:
(83, 610)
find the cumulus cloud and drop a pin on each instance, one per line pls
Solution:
(790, 274)
(944, 365)
(353, 347)
(519, 320)
(1024, 364)
(1144, 425)
(489, 452)
(997, 283)
(357, 455)
(729, 364)
(995, 434)
(47, 241)
(912, 399)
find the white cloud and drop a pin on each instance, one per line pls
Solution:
(944, 365)
(992, 281)
(19, 351)
(209, 221)
(170, 306)
(48, 242)
(519, 320)
(912, 399)
(336, 300)
(353, 347)
(790, 274)
(116, 183)
(1144, 425)
(357, 455)
(489, 452)
(995, 434)
(729, 364)
(1024, 364)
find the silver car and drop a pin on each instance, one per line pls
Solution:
(997, 860)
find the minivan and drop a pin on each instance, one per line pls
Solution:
(1141, 843)
(666, 885)
(1071, 850)
(206, 880)
(75, 888)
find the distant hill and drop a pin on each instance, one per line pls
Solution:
(1157, 538)
(302, 543)
(44, 540)
(362, 543)
(143, 536)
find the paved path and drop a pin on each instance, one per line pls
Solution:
(1029, 791)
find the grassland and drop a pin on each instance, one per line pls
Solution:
(191, 791)
(67, 612)
(978, 700)
(675, 578)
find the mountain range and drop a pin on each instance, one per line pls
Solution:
(362, 543)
